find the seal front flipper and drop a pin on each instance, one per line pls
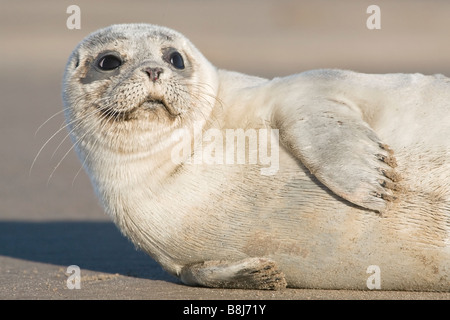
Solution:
(340, 149)
(250, 273)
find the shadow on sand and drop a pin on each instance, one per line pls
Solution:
(97, 246)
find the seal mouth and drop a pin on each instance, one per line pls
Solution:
(149, 104)
(157, 103)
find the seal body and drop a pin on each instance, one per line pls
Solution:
(358, 173)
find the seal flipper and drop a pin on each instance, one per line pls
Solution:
(250, 273)
(341, 150)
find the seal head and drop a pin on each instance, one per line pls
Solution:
(148, 75)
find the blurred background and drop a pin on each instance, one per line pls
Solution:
(267, 38)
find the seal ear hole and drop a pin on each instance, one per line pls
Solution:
(75, 61)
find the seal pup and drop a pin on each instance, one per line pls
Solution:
(362, 180)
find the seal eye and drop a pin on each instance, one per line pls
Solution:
(176, 60)
(109, 62)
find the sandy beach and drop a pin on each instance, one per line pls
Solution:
(49, 216)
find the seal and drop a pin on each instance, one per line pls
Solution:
(359, 173)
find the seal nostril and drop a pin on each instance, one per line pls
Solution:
(154, 73)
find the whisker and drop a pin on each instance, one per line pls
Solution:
(66, 154)
(42, 148)
(46, 121)
(89, 114)
(102, 118)
(76, 122)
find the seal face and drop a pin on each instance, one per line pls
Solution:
(136, 74)
(356, 186)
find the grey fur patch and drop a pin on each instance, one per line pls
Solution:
(94, 73)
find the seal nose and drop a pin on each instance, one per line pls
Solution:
(154, 73)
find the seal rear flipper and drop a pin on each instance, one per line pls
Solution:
(341, 150)
(250, 273)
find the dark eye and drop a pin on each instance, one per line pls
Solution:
(176, 60)
(109, 62)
